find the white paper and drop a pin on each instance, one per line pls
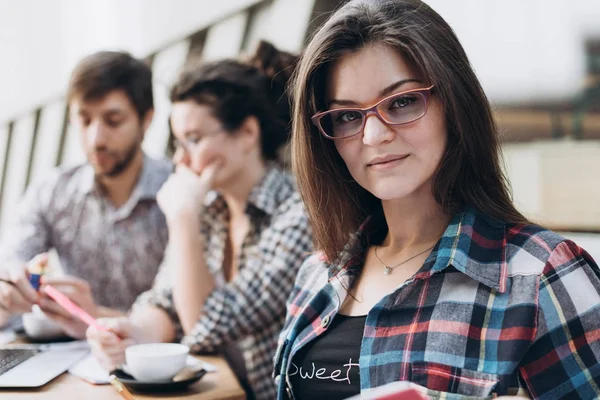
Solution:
(90, 370)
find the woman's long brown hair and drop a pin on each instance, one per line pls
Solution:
(470, 173)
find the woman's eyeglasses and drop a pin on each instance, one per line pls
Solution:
(189, 142)
(397, 109)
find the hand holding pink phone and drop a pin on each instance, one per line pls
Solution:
(72, 308)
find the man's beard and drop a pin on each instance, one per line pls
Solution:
(122, 160)
(123, 163)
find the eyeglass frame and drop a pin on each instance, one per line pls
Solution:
(365, 112)
(187, 145)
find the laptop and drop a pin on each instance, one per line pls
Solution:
(32, 366)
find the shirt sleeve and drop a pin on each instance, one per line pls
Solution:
(310, 279)
(257, 295)
(564, 358)
(160, 295)
(28, 233)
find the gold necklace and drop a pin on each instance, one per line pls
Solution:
(388, 269)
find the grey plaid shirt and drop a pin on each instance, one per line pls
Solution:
(249, 311)
(118, 251)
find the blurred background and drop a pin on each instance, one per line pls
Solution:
(538, 60)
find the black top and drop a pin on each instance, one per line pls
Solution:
(327, 367)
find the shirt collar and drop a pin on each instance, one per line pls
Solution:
(263, 195)
(472, 243)
(87, 181)
(149, 182)
(475, 245)
(146, 187)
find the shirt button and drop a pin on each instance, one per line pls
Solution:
(277, 380)
(325, 322)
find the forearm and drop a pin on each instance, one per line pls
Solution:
(192, 281)
(107, 312)
(151, 325)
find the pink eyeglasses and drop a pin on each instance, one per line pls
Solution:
(397, 109)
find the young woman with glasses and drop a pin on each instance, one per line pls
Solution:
(237, 228)
(427, 272)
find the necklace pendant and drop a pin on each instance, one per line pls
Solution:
(387, 271)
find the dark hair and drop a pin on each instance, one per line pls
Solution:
(236, 90)
(100, 73)
(470, 172)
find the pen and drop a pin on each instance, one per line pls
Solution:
(36, 270)
(34, 279)
(120, 388)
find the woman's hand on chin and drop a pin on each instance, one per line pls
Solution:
(182, 196)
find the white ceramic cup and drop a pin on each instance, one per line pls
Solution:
(155, 361)
(39, 326)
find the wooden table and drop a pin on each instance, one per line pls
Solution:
(221, 385)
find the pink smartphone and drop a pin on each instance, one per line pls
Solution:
(72, 308)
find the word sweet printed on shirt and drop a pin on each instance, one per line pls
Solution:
(322, 373)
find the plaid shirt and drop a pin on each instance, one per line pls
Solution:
(249, 310)
(495, 309)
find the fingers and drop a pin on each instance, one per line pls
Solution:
(208, 171)
(108, 361)
(58, 317)
(13, 301)
(109, 356)
(181, 169)
(107, 347)
(206, 178)
(167, 187)
(120, 326)
(17, 295)
(19, 278)
(208, 175)
(78, 290)
(66, 281)
(211, 169)
(20, 296)
(72, 327)
(51, 307)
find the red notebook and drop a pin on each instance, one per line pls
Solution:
(392, 391)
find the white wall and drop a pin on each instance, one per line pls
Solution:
(42, 40)
(556, 183)
(525, 50)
